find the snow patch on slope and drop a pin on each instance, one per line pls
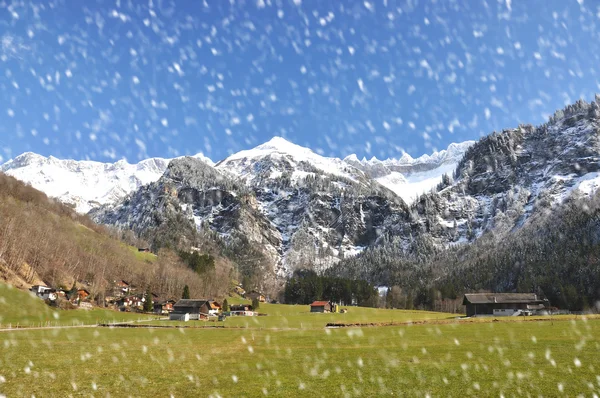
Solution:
(415, 184)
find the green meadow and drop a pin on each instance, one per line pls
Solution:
(557, 358)
(279, 316)
(290, 353)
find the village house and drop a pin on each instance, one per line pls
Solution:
(44, 292)
(163, 306)
(241, 310)
(133, 302)
(121, 288)
(321, 306)
(215, 308)
(82, 294)
(239, 290)
(502, 304)
(256, 295)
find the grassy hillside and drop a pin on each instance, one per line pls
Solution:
(21, 309)
(475, 359)
(142, 256)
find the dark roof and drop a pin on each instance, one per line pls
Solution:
(240, 307)
(190, 303)
(319, 304)
(503, 298)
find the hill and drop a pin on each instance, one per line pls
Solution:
(42, 240)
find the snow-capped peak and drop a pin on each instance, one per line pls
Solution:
(351, 158)
(282, 151)
(277, 145)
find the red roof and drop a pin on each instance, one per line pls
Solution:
(319, 303)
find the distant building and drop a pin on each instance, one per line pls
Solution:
(163, 306)
(502, 304)
(239, 290)
(197, 309)
(256, 295)
(241, 310)
(44, 292)
(215, 308)
(175, 316)
(82, 294)
(131, 302)
(320, 306)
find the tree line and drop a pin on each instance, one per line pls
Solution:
(306, 286)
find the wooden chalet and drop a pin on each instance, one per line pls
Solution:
(163, 306)
(502, 304)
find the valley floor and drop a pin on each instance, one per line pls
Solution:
(435, 359)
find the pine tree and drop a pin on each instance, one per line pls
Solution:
(255, 304)
(186, 292)
(225, 305)
(148, 304)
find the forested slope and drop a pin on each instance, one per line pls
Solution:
(42, 240)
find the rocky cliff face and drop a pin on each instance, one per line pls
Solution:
(506, 177)
(506, 181)
(295, 209)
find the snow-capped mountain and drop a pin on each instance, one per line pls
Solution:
(279, 206)
(85, 184)
(292, 206)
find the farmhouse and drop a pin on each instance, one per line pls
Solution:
(502, 304)
(163, 306)
(320, 306)
(196, 309)
(131, 301)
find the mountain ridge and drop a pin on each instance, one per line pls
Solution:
(49, 173)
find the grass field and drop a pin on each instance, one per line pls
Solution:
(290, 353)
(21, 309)
(299, 317)
(475, 359)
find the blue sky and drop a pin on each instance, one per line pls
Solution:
(106, 80)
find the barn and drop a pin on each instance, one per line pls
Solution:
(197, 309)
(502, 304)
